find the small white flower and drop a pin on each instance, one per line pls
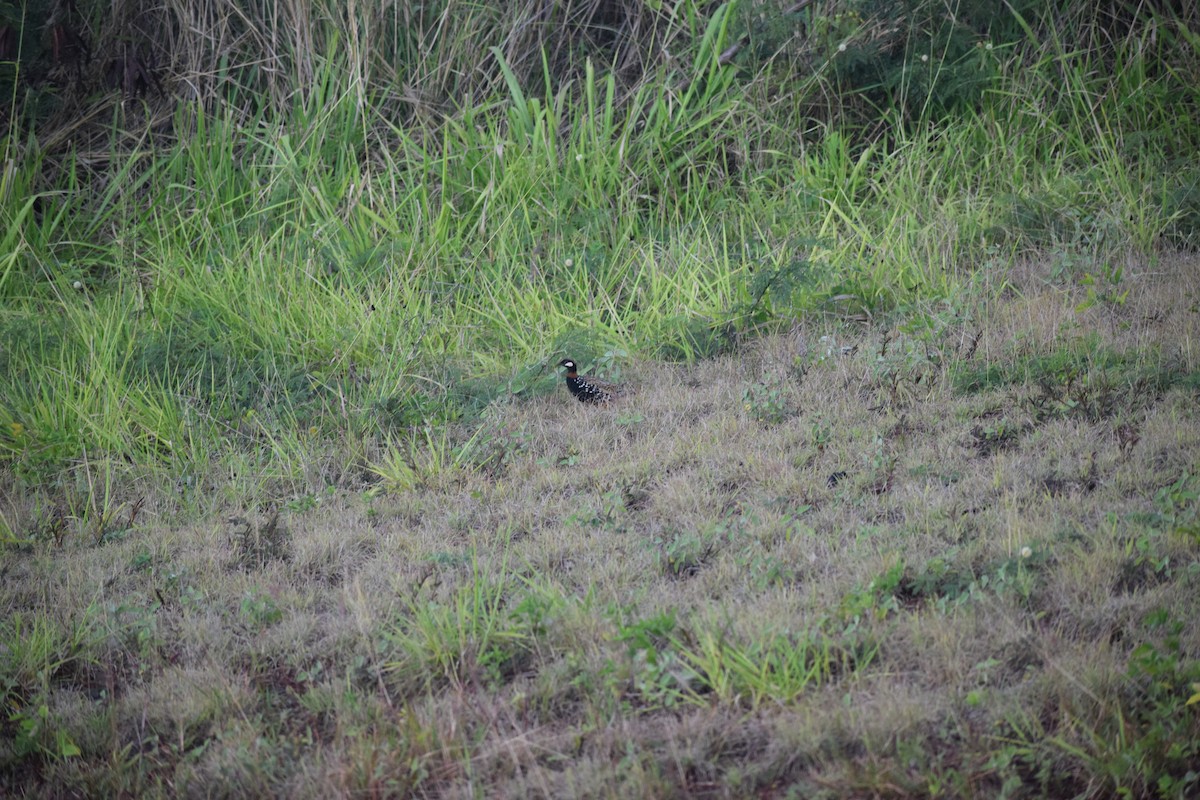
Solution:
(987, 46)
(570, 262)
(842, 47)
(77, 285)
(579, 156)
(1026, 551)
(924, 58)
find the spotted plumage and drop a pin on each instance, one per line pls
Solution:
(586, 388)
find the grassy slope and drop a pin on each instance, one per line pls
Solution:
(667, 597)
(293, 311)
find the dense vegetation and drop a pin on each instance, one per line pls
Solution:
(311, 265)
(376, 221)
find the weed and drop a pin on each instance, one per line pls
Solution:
(820, 433)
(39, 733)
(256, 545)
(51, 523)
(142, 559)
(494, 447)
(38, 653)
(474, 638)
(681, 554)
(1179, 506)
(1182, 207)
(300, 505)
(393, 469)
(782, 290)
(610, 516)
(995, 436)
(913, 359)
(259, 610)
(765, 570)
(1148, 742)
(876, 600)
(691, 338)
(766, 400)
(1083, 379)
(653, 669)
(427, 458)
(645, 635)
(1104, 290)
(775, 668)
(608, 365)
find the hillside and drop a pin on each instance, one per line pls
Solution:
(902, 498)
(950, 553)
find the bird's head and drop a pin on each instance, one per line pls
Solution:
(569, 364)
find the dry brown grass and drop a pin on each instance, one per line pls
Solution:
(304, 671)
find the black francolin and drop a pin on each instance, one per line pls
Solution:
(586, 388)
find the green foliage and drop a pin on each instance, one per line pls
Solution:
(259, 610)
(1178, 508)
(945, 582)
(913, 358)
(1082, 378)
(772, 667)
(343, 267)
(38, 733)
(494, 446)
(686, 338)
(652, 670)
(877, 599)
(1069, 212)
(35, 652)
(683, 553)
(779, 291)
(1182, 208)
(1104, 289)
(479, 635)
(648, 635)
(995, 435)
(37, 648)
(431, 457)
(767, 400)
(1146, 741)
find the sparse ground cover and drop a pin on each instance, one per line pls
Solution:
(953, 552)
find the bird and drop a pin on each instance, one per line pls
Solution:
(586, 388)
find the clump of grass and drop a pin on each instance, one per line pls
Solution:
(257, 544)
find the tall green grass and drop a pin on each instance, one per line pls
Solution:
(269, 286)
